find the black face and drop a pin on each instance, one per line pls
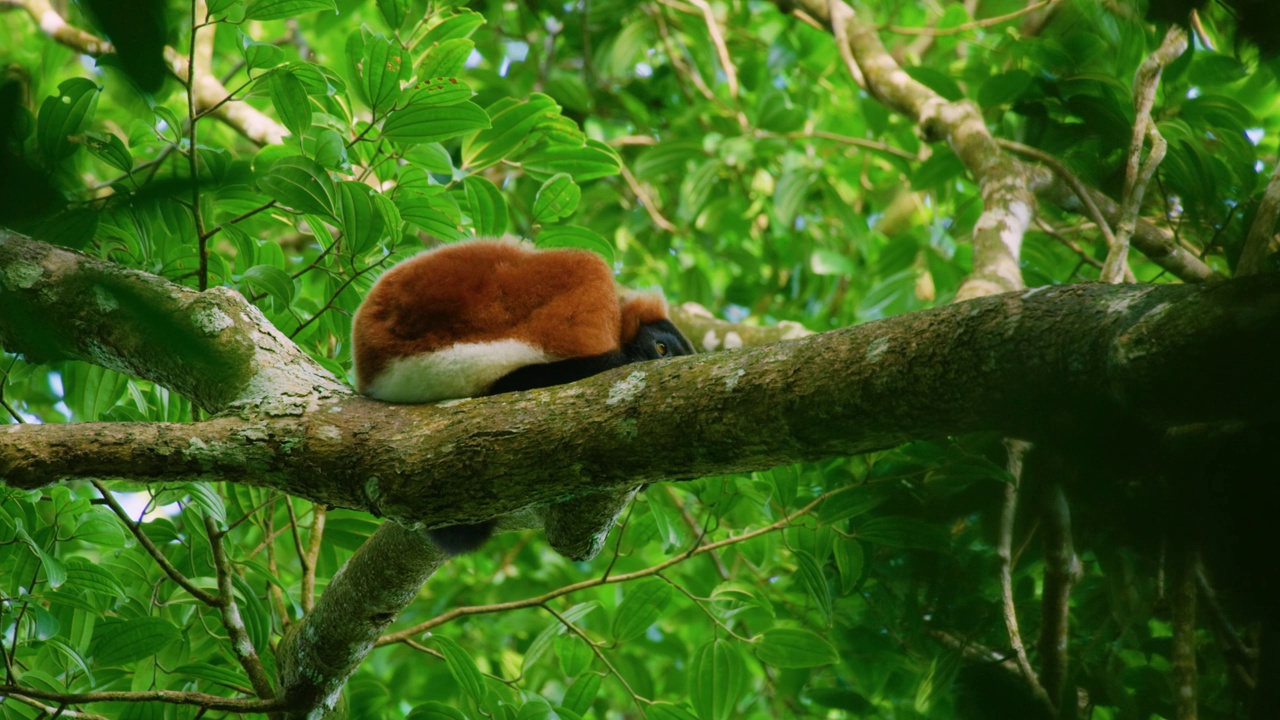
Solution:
(657, 340)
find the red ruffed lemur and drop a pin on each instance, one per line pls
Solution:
(485, 317)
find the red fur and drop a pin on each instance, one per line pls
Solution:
(561, 301)
(640, 309)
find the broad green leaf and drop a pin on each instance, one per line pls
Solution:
(512, 128)
(1005, 88)
(575, 236)
(64, 115)
(109, 149)
(544, 640)
(256, 616)
(591, 161)
(283, 9)
(82, 574)
(582, 693)
(735, 596)
(380, 72)
(302, 185)
(55, 572)
(903, 532)
(642, 604)
(575, 656)
(208, 500)
(487, 207)
(436, 92)
(438, 216)
(395, 12)
(717, 680)
(65, 649)
(445, 60)
(435, 711)
(362, 225)
(849, 561)
(92, 390)
(462, 667)
(848, 504)
(431, 123)
(558, 197)
(226, 676)
(794, 648)
(262, 56)
(223, 8)
(290, 100)
(666, 711)
(270, 280)
(460, 25)
(120, 642)
(814, 582)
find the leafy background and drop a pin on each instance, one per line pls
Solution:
(770, 188)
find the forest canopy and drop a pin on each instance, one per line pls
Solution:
(983, 293)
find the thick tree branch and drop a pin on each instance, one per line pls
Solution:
(1035, 364)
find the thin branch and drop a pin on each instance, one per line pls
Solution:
(200, 594)
(1017, 450)
(639, 701)
(241, 644)
(173, 697)
(1138, 173)
(540, 600)
(646, 202)
(1076, 185)
(1183, 603)
(1061, 570)
(717, 38)
(973, 25)
(312, 559)
(57, 712)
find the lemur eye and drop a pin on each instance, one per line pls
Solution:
(662, 348)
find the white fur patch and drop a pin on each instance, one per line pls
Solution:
(459, 371)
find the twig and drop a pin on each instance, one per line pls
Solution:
(639, 701)
(173, 697)
(693, 551)
(958, 29)
(241, 644)
(1017, 450)
(722, 50)
(57, 712)
(1183, 603)
(1075, 247)
(1262, 240)
(1061, 568)
(312, 559)
(646, 202)
(841, 14)
(144, 540)
(1138, 173)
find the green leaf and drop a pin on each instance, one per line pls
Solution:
(290, 100)
(65, 649)
(558, 197)
(120, 642)
(593, 160)
(82, 574)
(849, 561)
(221, 675)
(208, 499)
(814, 582)
(582, 693)
(717, 680)
(903, 532)
(512, 128)
(380, 71)
(460, 25)
(848, 504)
(437, 216)
(487, 207)
(794, 648)
(663, 710)
(222, 8)
(109, 149)
(395, 12)
(575, 236)
(641, 607)
(430, 123)
(437, 92)
(1004, 89)
(462, 668)
(445, 60)
(64, 115)
(262, 56)
(270, 280)
(55, 572)
(362, 225)
(575, 656)
(302, 185)
(435, 711)
(283, 9)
